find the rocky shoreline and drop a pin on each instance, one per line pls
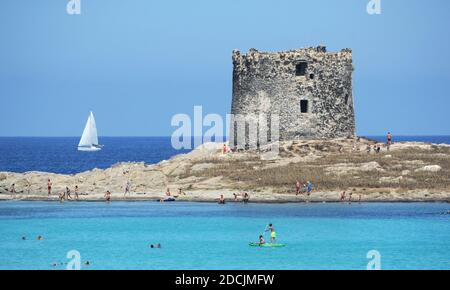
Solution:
(409, 172)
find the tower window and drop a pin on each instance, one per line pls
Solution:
(346, 99)
(300, 68)
(304, 106)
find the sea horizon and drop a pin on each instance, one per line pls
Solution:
(60, 155)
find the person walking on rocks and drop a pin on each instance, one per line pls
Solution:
(297, 187)
(127, 188)
(68, 193)
(389, 141)
(49, 186)
(13, 190)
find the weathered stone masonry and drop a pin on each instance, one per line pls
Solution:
(310, 90)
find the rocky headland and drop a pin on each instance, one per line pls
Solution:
(408, 172)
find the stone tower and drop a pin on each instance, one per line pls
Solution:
(309, 89)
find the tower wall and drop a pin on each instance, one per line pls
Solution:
(309, 89)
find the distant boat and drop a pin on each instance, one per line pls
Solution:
(89, 140)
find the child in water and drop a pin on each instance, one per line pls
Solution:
(261, 240)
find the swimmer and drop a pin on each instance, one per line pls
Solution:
(40, 238)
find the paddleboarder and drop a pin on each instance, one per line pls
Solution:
(273, 233)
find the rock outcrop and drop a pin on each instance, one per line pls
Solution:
(413, 172)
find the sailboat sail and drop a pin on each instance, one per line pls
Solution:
(89, 139)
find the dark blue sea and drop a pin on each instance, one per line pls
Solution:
(60, 155)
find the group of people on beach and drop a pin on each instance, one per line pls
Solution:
(244, 196)
(377, 147)
(344, 195)
(305, 188)
(169, 197)
(64, 195)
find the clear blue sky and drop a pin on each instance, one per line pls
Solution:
(136, 63)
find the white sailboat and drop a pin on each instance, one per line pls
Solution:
(89, 140)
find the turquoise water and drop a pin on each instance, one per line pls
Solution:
(209, 236)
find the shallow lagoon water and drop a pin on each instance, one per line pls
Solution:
(209, 236)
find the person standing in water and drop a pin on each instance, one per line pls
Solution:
(62, 197)
(108, 196)
(273, 233)
(246, 197)
(76, 192)
(343, 196)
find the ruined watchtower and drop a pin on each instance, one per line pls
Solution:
(309, 89)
